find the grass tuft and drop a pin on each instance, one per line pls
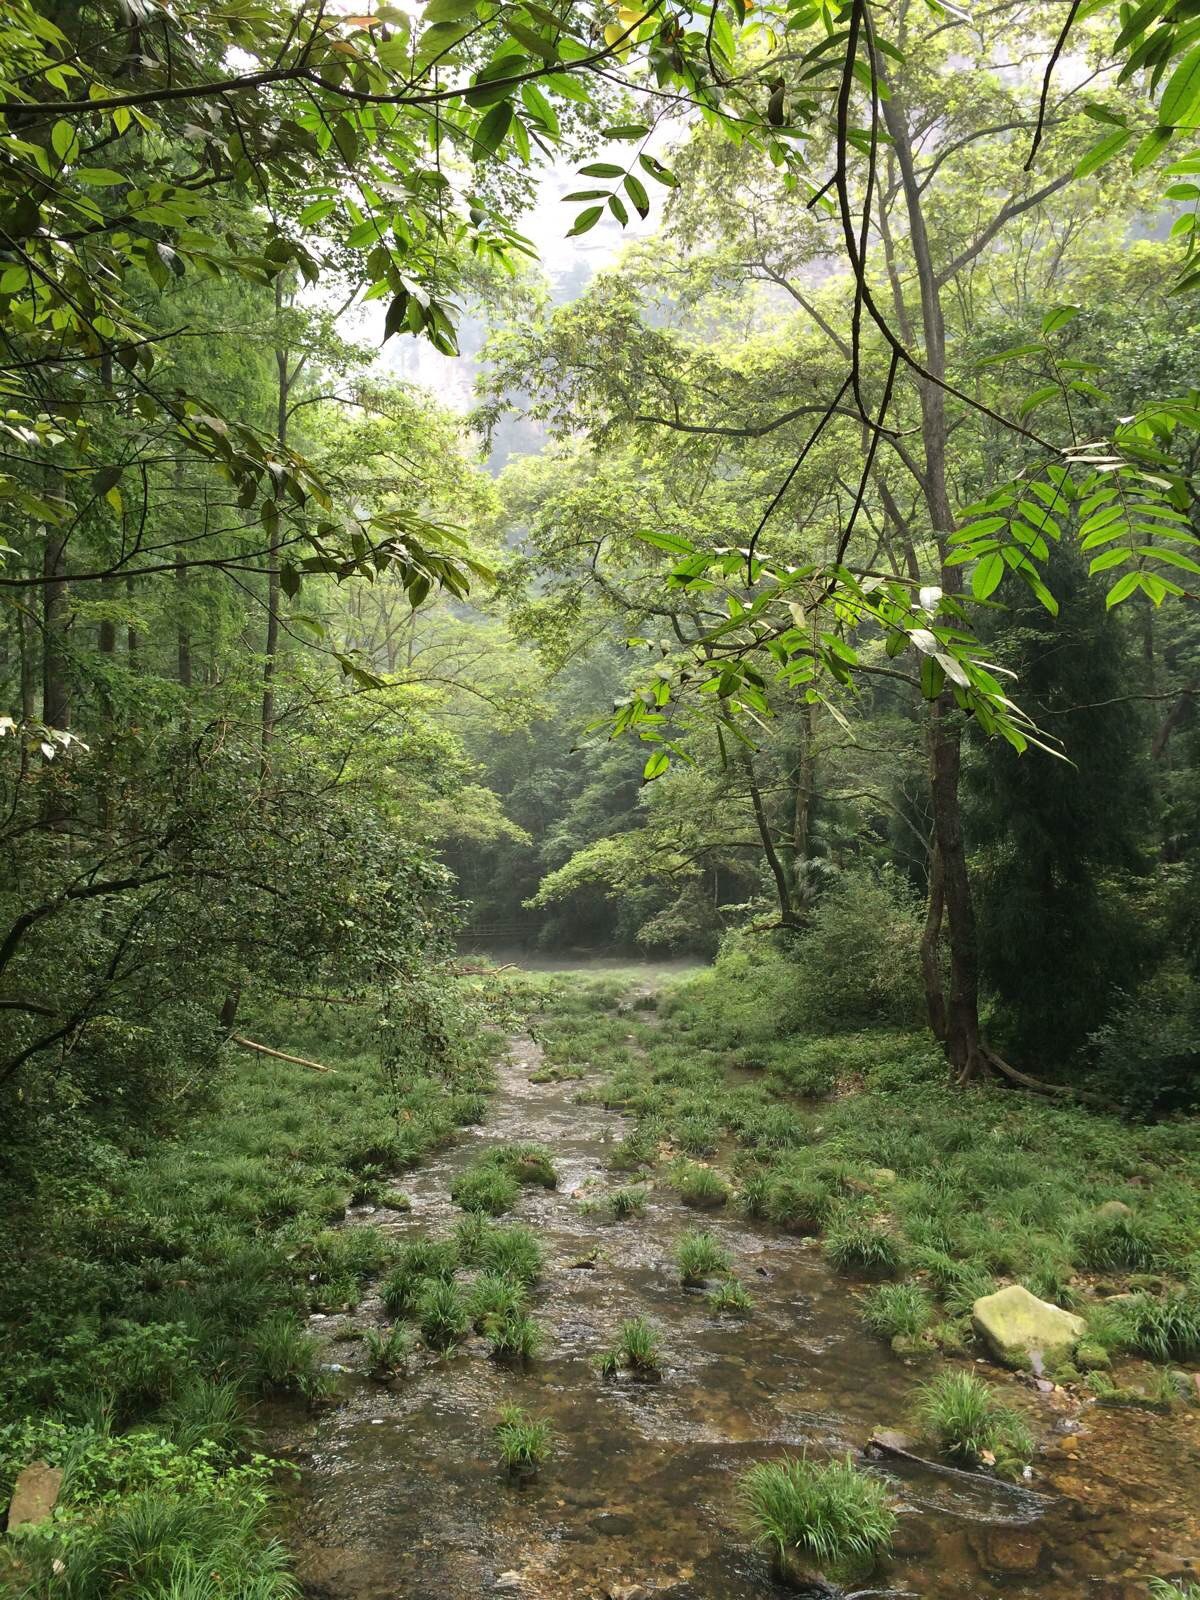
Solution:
(897, 1310)
(962, 1415)
(831, 1516)
(524, 1440)
(636, 1348)
(698, 1257)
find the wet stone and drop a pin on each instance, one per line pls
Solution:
(615, 1524)
(1006, 1549)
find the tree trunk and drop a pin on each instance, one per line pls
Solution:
(56, 693)
(283, 389)
(955, 1022)
(778, 872)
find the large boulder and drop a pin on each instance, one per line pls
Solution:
(34, 1495)
(1023, 1331)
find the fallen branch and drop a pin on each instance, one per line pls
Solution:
(1063, 1091)
(277, 1055)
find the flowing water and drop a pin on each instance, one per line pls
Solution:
(401, 1497)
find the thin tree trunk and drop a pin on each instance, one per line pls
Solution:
(283, 389)
(961, 1032)
(778, 871)
(56, 693)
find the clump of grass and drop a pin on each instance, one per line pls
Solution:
(493, 1299)
(897, 1310)
(443, 1315)
(730, 1296)
(698, 1256)
(387, 1349)
(512, 1252)
(632, 1153)
(636, 1347)
(418, 1263)
(524, 1440)
(515, 1338)
(283, 1354)
(963, 1416)
(626, 1202)
(208, 1411)
(488, 1190)
(1164, 1329)
(801, 1203)
(832, 1517)
(697, 1185)
(1161, 1589)
(1123, 1242)
(857, 1241)
(527, 1163)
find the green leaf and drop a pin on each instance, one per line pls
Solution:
(636, 190)
(1154, 142)
(616, 206)
(345, 136)
(586, 219)
(1102, 152)
(601, 169)
(1122, 589)
(447, 10)
(987, 575)
(489, 135)
(655, 766)
(99, 177)
(1058, 318)
(1181, 101)
(63, 140)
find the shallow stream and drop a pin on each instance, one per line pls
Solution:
(401, 1497)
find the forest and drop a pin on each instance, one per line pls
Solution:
(600, 799)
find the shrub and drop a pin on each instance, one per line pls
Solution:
(730, 1296)
(833, 1516)
(386, 1349)
(443, 1315)
(698, 1256)
(698, 1186)
(859, 1242)
(524, 1440)
(963, 1416)
(897, 1310)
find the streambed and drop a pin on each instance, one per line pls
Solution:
(401, 1498)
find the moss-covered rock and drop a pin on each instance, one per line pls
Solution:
(1023, 1331)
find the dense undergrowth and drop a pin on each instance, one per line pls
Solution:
(154, 1290)
(926, 1195)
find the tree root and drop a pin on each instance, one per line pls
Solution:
(985, 1061)
(277, 1055)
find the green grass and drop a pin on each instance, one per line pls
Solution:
(524, 1440)
(636, 1348)
(488, 1190)
(830, 1517)
(698, 1186)
(442, 1315)
(897, 1310)
(512, 1251)
(1165, 1328)
(857, 1241)
(961, 1414)
(494, 1298)
(387, 1349)
(698, 1257)
(417, 1263)
(730, 1296)
(516, 1338)
(1162, 1589)
(626, 1202)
